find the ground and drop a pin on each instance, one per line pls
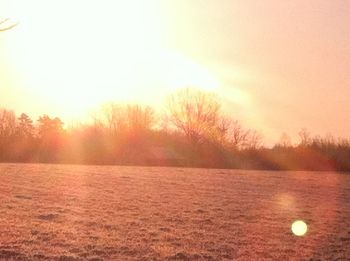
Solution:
(64, 212)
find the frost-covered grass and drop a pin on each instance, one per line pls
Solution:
(67, 212)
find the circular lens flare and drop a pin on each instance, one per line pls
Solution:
(299, 228)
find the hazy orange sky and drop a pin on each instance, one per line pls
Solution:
(279, 65)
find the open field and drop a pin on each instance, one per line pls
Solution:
(53, 212)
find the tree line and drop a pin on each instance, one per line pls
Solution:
(193, 131)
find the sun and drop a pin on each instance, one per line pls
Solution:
(79, 54)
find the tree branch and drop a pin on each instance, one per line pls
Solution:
(7, 27)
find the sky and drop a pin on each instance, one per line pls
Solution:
(279, 66)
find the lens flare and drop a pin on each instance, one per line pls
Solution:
(299, 228)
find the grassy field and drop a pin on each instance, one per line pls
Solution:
(53, 212)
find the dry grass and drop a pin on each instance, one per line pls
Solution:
(50, 212)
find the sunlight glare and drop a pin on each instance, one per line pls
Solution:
(116, 50)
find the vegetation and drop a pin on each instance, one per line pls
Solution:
(64, 212)
(193, 131)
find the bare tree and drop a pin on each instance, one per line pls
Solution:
(284, 141)
(305, 137)
(140, 118)
(238, 136)
(127, 118)
(254, 140)
(7, 124)
(7, 132)
(196, 114)
(112, 117)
